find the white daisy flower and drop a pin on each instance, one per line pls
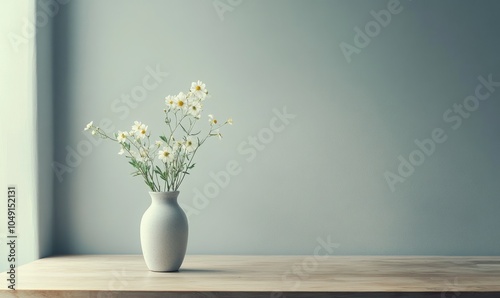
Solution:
(176, 145)
(230, 121)
(212, 120)
(194, 109)
(181, 101)
(121, 151)
(122, 136)
(89, 125)
(170, 101)
(142, 131)
(159, 143)
(166, 155)
(190, 144)
(199, 89)
(137, 125)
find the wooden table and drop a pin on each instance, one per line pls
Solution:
(103, 276)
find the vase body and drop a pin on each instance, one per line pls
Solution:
(164, 232)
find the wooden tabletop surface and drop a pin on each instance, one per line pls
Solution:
(103, 276)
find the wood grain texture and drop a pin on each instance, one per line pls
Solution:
(102, 276)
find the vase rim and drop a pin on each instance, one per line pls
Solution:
(163, 195)
(175, 191)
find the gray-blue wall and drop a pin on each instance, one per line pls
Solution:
(319, 176)
(45, 136)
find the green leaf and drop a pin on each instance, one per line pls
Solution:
(164, 139)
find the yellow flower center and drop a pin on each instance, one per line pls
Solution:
(143, 131)
(171, 102)
(189, 143)
(166, 153)
(215, 121)
(198, 88)
(180, 103)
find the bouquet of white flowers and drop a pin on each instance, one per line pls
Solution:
(174, 152)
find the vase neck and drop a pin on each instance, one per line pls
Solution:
(167, 197)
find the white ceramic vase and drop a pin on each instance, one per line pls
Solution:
(164, 232)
